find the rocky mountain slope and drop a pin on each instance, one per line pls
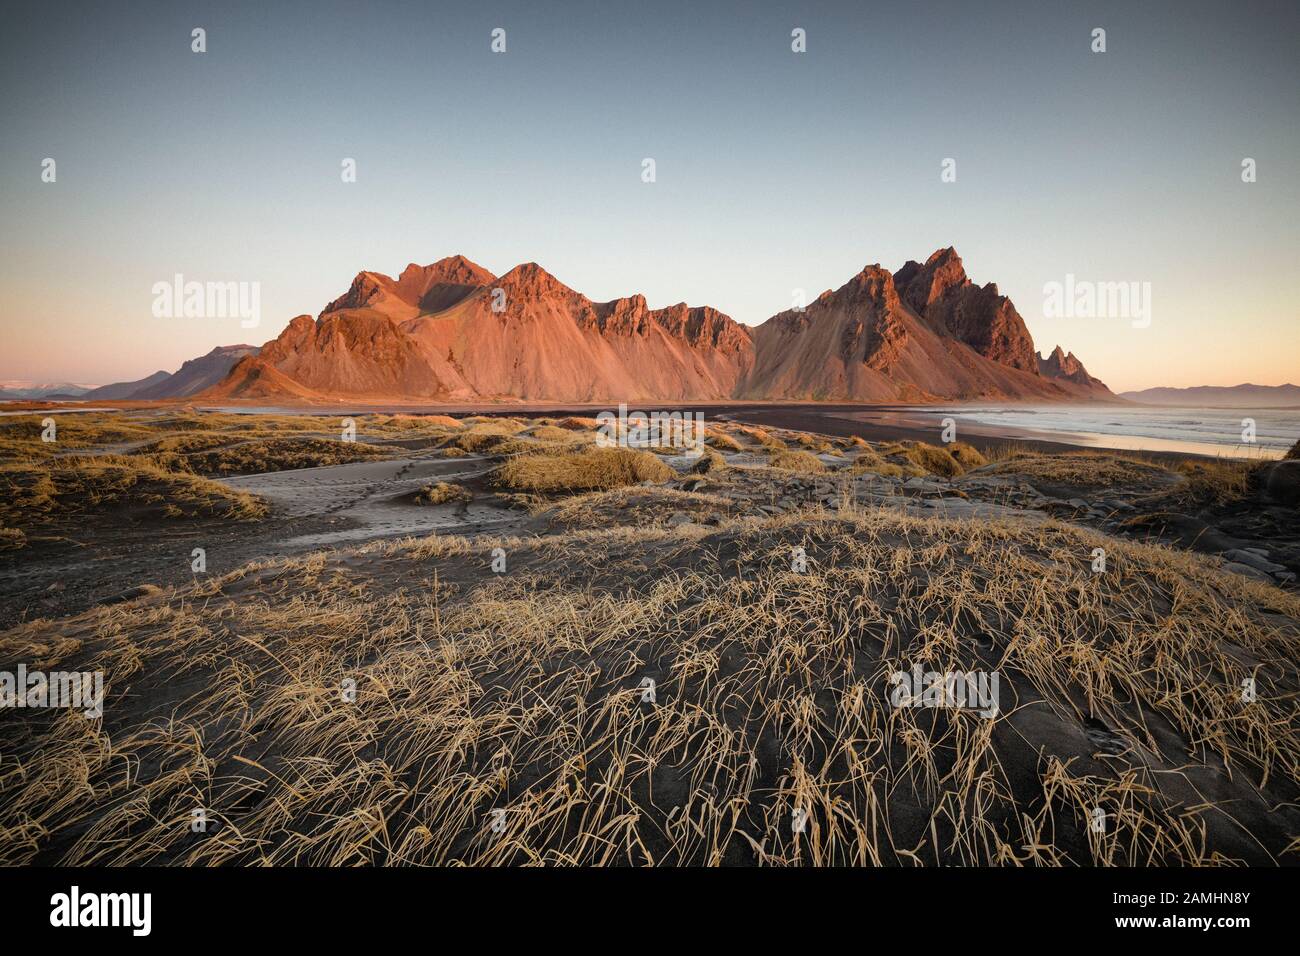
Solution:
(922, 334)
(452, 331)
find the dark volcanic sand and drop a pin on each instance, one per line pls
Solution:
(85, 562)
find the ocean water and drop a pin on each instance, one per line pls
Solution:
(1212, 431)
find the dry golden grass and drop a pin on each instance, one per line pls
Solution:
(930, 459)
(1081, 468)
(577, 423)
(36, 494)
(184, 443)
(76, 430)
(936, 461)
(257, 457)
(635, 506)
(967, 456)
(864, 457)
(886, 470)
(763, 437)
(24, 449)
(11, 539)
(182, 432)
(1208, 481)
(443, 421)
(587, 470)
(479, 443)
(716, 438)
(709, 461)
(262, 425)
(441, 493)
(1215, 481)
(493, 426)
(1005, 451)
(868, 462)
(815, 443)
(800, 461)
(521, 693)
(20, 435)
(553, 433)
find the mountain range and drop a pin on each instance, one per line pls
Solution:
(453, 332)
(28, 391)
(1220, 396)
(191, 378)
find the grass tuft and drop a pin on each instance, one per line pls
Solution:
(441, 493)
(797, 461)
(588, 470)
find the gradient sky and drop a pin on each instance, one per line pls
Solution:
(775, 170)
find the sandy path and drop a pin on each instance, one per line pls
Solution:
(374, 497)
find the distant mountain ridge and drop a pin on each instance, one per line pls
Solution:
(24, 391)
(120, 391)
(192, 377)
(1225, 396)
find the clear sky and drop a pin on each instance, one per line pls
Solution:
(775, 170)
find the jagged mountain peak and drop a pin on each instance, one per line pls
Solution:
(950, 304)
(530, 280)
(925, 283)
(1063, 365)
(874, 281)
(417, 290)
(415, 280)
